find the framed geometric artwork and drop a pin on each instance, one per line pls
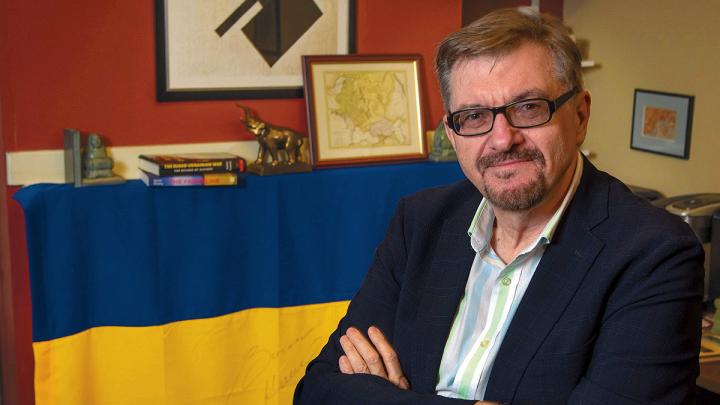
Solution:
(662, 123)
(240, 49)
(364, 108)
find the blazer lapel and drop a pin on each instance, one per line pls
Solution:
(440, 298)
(557, 277)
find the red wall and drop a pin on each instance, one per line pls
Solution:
(90, 64)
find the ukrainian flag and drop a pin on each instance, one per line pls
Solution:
(222, 295)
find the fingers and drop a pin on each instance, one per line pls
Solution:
(345, 366)
(389, 358)
(352, 362)
(361, 353)
(374, 356)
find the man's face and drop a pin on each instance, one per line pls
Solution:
(517, 169)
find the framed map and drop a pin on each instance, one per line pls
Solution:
(364, 108)
(239, 49)
(662, 123)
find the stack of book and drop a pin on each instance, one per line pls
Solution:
(191, 169)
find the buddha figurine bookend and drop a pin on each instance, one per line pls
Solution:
(97, 165)
(442, 150)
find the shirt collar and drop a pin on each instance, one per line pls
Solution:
(481, 226)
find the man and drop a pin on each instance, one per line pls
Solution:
(569, 289)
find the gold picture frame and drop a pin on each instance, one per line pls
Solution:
(364, 109)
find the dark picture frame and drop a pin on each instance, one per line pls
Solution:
(364, 109)
(662, 123)
(228, 56)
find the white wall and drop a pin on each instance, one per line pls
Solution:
(664, 45)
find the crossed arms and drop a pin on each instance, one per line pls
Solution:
(627, 333)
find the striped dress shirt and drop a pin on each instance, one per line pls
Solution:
(492, 294)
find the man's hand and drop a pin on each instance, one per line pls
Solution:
(375, 356)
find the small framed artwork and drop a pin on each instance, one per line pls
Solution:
(662, 123)
(364, 108)
(221, 49)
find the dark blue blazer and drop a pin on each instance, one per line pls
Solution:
(611, 316)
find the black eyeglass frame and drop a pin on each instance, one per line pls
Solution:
(554, 106)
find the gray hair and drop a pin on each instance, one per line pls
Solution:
(502, 31)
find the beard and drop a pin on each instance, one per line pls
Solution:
(522, 197)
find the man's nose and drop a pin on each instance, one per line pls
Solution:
(503, 136)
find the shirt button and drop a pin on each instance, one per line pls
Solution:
(484, 343)
(506, 281)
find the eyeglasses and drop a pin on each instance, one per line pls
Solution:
(528, 113)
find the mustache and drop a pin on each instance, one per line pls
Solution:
(524, 154)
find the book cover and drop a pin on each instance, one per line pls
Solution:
(72, 155)
(710, 347)
(207, 179)
(191, 163)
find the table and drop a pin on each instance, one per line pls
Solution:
(205, 295)
(709, 377)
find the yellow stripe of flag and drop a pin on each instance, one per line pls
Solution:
(254, 356)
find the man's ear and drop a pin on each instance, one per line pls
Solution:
(582, 109)
(449, 132)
